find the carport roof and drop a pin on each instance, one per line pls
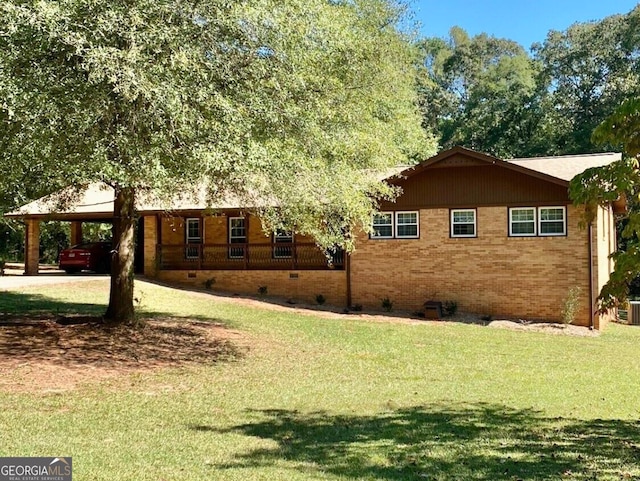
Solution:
(95, 202)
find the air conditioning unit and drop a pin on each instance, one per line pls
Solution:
(633, 315)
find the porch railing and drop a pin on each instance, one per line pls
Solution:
(248, 256)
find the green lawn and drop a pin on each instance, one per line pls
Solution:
(317, 398)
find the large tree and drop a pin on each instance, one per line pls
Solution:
(291, 104)
(620, 179)
(479, 92)
(491, 95)
(588, 70)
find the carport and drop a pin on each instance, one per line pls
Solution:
(94, 204)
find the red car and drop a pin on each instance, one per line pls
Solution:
(88, 256)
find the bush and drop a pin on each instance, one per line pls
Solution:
(208, 284)
(387, 304)
(54, 237)
(449, 308)
(320, 299)
(262, 290)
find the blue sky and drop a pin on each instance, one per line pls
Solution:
(525, 21)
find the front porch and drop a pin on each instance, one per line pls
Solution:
(276, 256)
(231, 253)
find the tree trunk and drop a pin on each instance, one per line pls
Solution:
(120, 310)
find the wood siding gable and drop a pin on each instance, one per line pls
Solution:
(464, 178)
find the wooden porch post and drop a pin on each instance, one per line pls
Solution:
(247, 220)
(76, 233)
(31, 247)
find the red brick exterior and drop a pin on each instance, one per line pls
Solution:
(297, 286)
(492, 274)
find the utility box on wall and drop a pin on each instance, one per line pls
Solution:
(633, 314)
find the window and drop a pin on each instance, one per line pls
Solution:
(237, 235)
(541, 221)
(522, 221)
(551, 221)
(282, 251)
(382, 226)
(463, 223)
(406, 225)
(193, 235)
(398, 225)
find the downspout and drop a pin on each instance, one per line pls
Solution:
(591, 300)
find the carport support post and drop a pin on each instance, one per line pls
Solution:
(151, 241)
(31, 247)
(76, 233)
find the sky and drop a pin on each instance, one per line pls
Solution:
(525, 21)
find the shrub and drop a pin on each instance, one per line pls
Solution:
(387, 304)
(208, 284)
(320, 299)
(449, 308)
(262, 290)
(356, 307)
(571, 305)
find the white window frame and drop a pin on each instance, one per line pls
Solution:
(190, 252)
(233, 250)
(564, 221)
(453, 223)
(397, 224)
(393, 224)
(374, 235)
(278, 249)
(535, 222)
(538, 222)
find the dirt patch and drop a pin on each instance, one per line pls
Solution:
(546, 327)
(39, 354)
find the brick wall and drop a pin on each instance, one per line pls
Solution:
(150, 241)
(173, 230)
(32, 247)
(522, 277)
(215, 230)
(493, 274)
(299, 286)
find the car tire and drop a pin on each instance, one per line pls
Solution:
(104, 267)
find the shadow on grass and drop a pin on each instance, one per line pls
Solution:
(19, 303)
(20, 307)
(29, 332)
(436, 442)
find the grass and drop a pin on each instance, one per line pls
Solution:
(331, 399)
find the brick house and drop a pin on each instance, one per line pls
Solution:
(497, 237)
